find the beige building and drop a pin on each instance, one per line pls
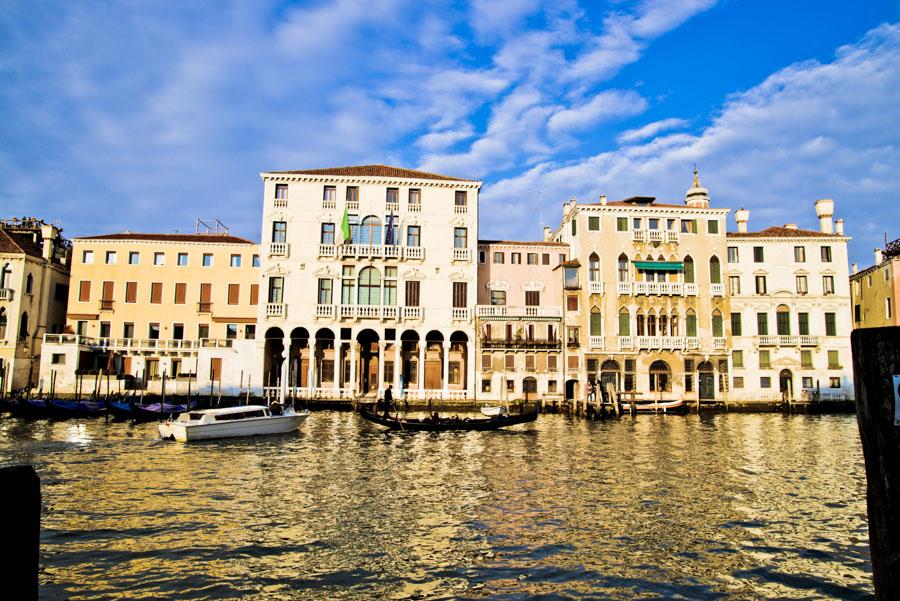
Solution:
(183, 305)
(519, 319)
(876, 289)
(644, 297)
(34, 280)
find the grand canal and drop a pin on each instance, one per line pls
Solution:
(716, 506)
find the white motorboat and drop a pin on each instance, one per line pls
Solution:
(247, 420)
(494, 411)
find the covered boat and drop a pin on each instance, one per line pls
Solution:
(157, 411)
(437, 423)
(63, 409)
(676, 406)
(247, 420)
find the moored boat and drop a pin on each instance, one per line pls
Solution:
(157, 411)
(246, 420)
(676, 406)
(437, 423)
(64, 409)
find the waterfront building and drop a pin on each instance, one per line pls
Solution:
(876, 289)
(790, 310)
(519, 319)
(34, 281)
(183, 305)
(644, 299)
(369, 277)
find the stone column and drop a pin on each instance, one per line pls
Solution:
(338, 368)
(471, 370)
(352, 367)
(445, 377)
(285, 370)
(420, 367)
(398, 345)
(382, 347)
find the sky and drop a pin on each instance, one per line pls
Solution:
(146, 115)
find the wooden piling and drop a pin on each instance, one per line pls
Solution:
(876, 362)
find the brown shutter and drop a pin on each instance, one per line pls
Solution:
(254, 294)
(156, 292)
(205, 293)
(234, 294)
(215, 369)
(130, 292)
(84, 292)
(126, 365)
(459, 294)
(107, 293)
(180, 293)
(412, 294)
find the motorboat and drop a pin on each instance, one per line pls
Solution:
(437, 423)
(676, 406)
(246, 420)
(493, 411)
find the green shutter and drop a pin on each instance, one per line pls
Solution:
(624, 324)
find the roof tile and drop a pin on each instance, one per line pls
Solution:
(374, 171)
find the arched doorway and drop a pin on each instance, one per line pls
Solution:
(409, 359)
(786, 384)
(434, 360)
(529, 388)
(299, 357)
(707, 380)
(571, 389)
(272, 357)
(458, 361)
(660, 377)
(609, 374)
(324, 357)
(367, 375)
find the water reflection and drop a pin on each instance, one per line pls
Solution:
(716, 506)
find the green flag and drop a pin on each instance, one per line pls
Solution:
(345, 226)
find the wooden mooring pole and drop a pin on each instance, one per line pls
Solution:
(876, 376)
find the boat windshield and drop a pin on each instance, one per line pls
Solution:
(240, 415)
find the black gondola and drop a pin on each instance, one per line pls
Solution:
(448, 424)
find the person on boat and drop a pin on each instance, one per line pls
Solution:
(388, 399)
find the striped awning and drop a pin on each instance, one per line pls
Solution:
(659, 265)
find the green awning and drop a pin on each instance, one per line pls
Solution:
(659, 265)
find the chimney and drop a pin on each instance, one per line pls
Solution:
(855, 267)
(825, 211)
(742, 216)
(49, 234)
(878, 256)
(790, 226)
(603, 199)
(547, 234)
(839, 227)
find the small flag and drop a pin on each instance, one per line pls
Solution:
(345, 226)
(389, 236)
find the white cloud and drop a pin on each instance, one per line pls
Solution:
(650, 130)
(606, 105)
(491, 19)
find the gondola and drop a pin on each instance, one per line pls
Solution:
(32, 408)
(448, 424)
(677, 406)
(64, 409)
(153, 411)
(119, 409)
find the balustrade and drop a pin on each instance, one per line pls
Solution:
(279, 249)
(275, 310)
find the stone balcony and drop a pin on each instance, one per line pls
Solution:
(281, 203)
(717, 289)
(460, 209)
(138, 344)
(673, 343)
(787, 340)
(461, 314)
(596, 342)
(383, 312)
(658, 289)
(520, 343)
(371, 251)
(462, 254)
(276, 310)
(279, 249)
(6, 294)
(508, 311)
(668, 236)
(595, 287)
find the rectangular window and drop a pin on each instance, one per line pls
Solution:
(485, 385)
(390, 286)
(594, 224)
(532, 298)
(254, 294)
(572, 337)
(128, 330)
(460, 198)
(765, 382)
(104, 329)
(762, 324)
(806, 359)
(734, 285)
(572, 302)
(830, 325)
(807, 382)
(482, 257)
(572, 361)
(413, 235)
(888, 309)
(415, 196)
(802, 287)
(281, 191)
(765, 359)
(87, 257)
(636, 223)
(498, 258)
(485, 362)
(712, 226)
(803, 323)
(834, 361)
(235, 261)
(326, 234)
(234, 294)
(279, 231)
(758, 254)
(857, 313)
(207, 259)
(84, 291)
(329, 194)
(392, 196)
(783, 323)
(460, 295)
(156, 290)
(688, 226)
(545, 259)
(834, 382)
(460, 237)
(624, 324)
(532, 258)
(178, 331)
(255, 261)
(81, 328)
(180, 293)
(737, 358)
(182, 260)
(250, 331)
(130, 292)
(828, 284)
(515, 258)
(203, 331)
(799, 254)
(733, 254)
(653, 223)
(324, 295)
(159, 258)
(352, 194)
(825, 251)
(153, 331)
(621, 224)
(509, 362)
(736, 324)
(552, 363)
(761, 284)
(570, 278)
(134, 258)
(738, 381)
(498, 297)
(231, 331)
(574, 227)
(412, 293)
(276, 290)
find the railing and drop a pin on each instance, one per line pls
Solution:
(325, 311)
(413, 252)
(626, 343)
(655, 235)
(204, 307)
(460, 314)
(392, 207)
(672, 236)
(691, 289)
(69, 339)
(659, 288)
(595, 287)
(787, 340)
(138, 344)
(281, 203)
(279, 249)
(369, 312)
(460, 209)
(660, 342)
(392, 252)
(329, 204)
(377, 251)
(639, 235)
(623, 287)
(414, 207)
(6, 294)
(327, 250)
(352, 205)
(461, 254)
(595, 342)
(507, 311)
(275, 309)
(692, 343)
(106, 305)
(717, 289)
(719, 343)
(520, 343)
(412, 312)
(809, 341)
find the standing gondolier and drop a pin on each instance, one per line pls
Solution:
(388, 399)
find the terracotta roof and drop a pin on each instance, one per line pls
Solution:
(19, 244)
(212, 238)
(781, 232)
(374, 171)
(623, 203)
(522, 243)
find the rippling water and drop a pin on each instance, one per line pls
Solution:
(718, 506)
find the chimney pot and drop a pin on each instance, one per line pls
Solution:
(825, 212)
(879, 257)
(547, 234)
(790, 226)
(855, 267)
(839, 227)
(742, 217)
(603, 199)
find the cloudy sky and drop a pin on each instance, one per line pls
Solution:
(144, 115)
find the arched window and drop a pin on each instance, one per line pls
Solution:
(673, 324)
(486, 331)
(596, 325)
(2, 324)
(29, 284)
(594, 268)
(369, 286)
(624, 322)
(688, 270)
(551, 332)
(651, 325)
(640, 324)
(663, 324)
(23, 327)
(783, 320)
(660, 377)
(370, 231)
(623, 268)
(690, 323)
(715, 270)
(717, 324)
(509, 331)
(529, 332)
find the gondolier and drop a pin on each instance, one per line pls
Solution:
(388, 399)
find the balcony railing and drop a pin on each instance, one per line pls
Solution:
(327, 250)
(392, 207)
(654, 236)
(787, 340)
(461, 254)
(275, 310)
(595, 287)
(623, 288)
(414, 207)
(520, 343)
(281, 203)
(717, 289)
(325, 311)
(412, 312)
(413, 252)
(106, 305)
(460, 209)
(719, 343)
(660, 342)
(595, 342)
(639, 235)
(391, 312)
(137, 344)
(460, 314)
(691, 289)
(329, 203)
(692, 343)
(809, 340)
(6, 294)
(659, 288)
(508, 311)
(204, 307)
(373, 251)
(352, 205)
(279, 249)
(672, 236)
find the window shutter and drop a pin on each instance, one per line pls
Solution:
(254, 294)
(130, 292)
(84, 292)
(180, 293)
(234, 294)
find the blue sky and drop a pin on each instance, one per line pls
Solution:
(144, 115)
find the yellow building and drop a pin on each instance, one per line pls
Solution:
(875, 290)
(34, 279)
(158, 300)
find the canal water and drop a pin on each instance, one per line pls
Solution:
(725, 506)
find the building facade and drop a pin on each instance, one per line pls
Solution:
(875, 290)
(790, 310)
(183, 305)
(34, 286)
(519, 320)
(644, 299)
(369, 275)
